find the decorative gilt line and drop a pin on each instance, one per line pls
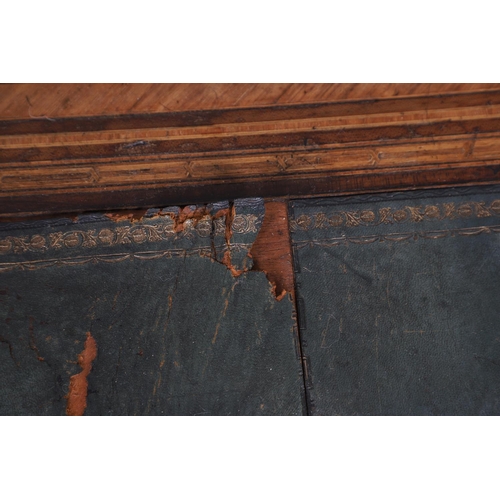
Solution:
(399, 237)
(389, 215)
(206, 251)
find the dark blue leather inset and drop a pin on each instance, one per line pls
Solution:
(399, 302)
(176, 332)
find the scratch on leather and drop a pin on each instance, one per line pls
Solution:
(32, 344)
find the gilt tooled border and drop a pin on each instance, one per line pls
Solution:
(137, 234)
(390, 215)
(398, 237)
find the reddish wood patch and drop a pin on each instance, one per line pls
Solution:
(78, 385)
(271, 251)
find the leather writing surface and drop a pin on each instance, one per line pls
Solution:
(176, 333)
(399, 302)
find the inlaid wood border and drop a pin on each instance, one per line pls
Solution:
(75, 164)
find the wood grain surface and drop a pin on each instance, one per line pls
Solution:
(395, 137)
(25, 101)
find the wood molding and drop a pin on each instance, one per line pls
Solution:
(73, 164)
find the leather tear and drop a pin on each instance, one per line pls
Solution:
(183, 215)
(127, 215)
(228, 234)
(78, 384)
(271, 251)
(11, 350)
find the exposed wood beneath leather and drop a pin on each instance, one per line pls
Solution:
(131, 161)
(272, 252)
